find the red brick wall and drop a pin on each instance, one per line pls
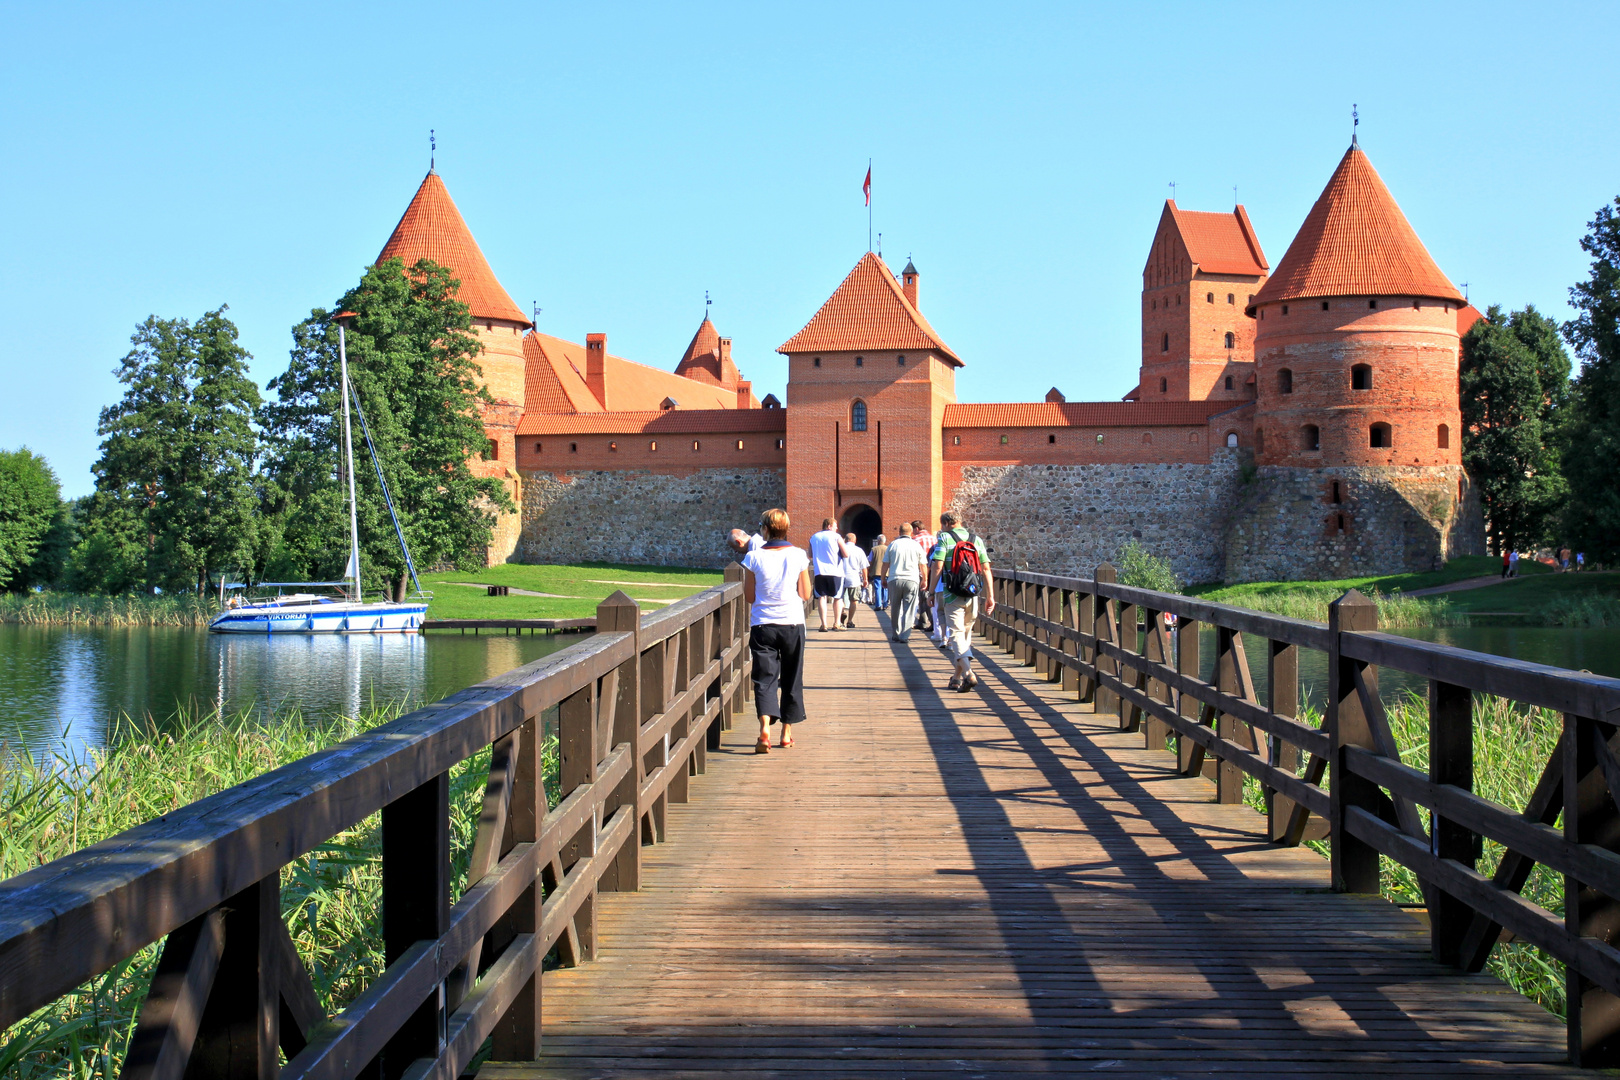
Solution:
(1412, 351)
(824, 480)
(674, 454)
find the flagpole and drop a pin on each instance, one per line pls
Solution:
(869, 206)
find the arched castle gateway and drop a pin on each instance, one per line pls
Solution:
(1296, 423)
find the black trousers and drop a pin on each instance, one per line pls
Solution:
(778, 652)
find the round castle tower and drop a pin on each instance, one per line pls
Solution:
(1357, 429)
(1356, 338)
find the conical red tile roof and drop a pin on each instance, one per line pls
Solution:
(868, 311)
(432, 228)
(1356, 242)
(701, 360)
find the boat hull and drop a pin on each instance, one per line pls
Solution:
(325, 619)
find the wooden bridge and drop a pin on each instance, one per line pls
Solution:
(1052, 874)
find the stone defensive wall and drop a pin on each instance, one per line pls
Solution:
(1351, 521)
(661, 489)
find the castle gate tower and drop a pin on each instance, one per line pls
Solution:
(432, 228)
(1202, 272)
(868, 382)
(1357, 415)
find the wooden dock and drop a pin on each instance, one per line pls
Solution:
(549, 626)
(998, 883)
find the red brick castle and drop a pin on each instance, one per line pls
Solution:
(1296, 423)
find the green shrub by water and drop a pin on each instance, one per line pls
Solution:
(1309, 600)
(50, 807)
(1511, 748)
(75, 609)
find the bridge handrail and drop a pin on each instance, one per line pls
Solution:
(639, 704)
(1088, 634)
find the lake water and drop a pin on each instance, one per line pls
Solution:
(62, 689)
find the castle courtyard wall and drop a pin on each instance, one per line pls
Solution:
(642, 516)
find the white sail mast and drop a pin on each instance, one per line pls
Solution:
(348, 454)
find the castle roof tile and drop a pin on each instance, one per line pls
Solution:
(1356, 242)
(1220, 243)
(432, 228)
(554, 382)
(868, 310)
(658, 421)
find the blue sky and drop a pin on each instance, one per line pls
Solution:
(616, 161)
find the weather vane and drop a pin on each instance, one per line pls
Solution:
(535, 304)
(1355, 122)
(1172, 191)
(707, 303)
(433, 149)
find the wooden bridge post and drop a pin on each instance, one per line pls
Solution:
(1355, 862)
(1155, 732)
(416, 907)
(1048, 605)
(1008, 602)
(1085, 620)
(620, 613)
(1130, 640)
(1023, 592)
(736, 629)
(1590, 817)
(654, 695)
(578, 753)
(517, 1034)
(1228, 777)
(681, 656)
(1066, 616)
(1282, 680)
(1105, 700)
(1451, 761)
(1189, 755)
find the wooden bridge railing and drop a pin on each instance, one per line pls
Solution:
(639, 704)
(1135, 653)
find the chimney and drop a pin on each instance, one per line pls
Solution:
(1055, 396)
(745, 390)
(596, 366)
(728, 372)
(908, 284)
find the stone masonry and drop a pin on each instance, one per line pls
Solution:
(1065, 519)
(642, 517)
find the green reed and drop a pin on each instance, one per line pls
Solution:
(51, 806)
(1512, 745)
(75, 609)
(1310, 600)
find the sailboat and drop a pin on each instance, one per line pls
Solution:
(349, 612)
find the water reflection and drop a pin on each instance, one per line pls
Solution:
(63, 689)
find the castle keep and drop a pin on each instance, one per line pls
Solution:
(1294, 423)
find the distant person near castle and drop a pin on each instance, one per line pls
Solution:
(960, 569)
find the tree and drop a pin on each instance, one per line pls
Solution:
(31, 517)
(412, 364)
(175, 491)
(1515, 388)
(1592, 437)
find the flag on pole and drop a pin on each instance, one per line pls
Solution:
(866, 188)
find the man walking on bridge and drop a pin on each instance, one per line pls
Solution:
(905, 572)
(827, 554)
(961, 566)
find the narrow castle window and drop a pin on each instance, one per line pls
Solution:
(1051, 438)
(492, 450)
(695, 444)
(1154, 305)
(1004, 440)
(1164, 385)
(1209, 298)
(1231, 439)
(857, 416)
(1337, 496)
(1229, 382)
(1099, 438)
(573, 448)
(900, 360)
(739, 444)
(1324, 305)
(1285, 309)
(781, 444)
(1231, 340)
(653, 445)
(1444, 437)
(613, 446)
(860, 361)
(1285, 381)
(1251, 298)
(956, 440)
(1380, 437)
(1230, 299)
(1372, 303)
(538, 447)
(1147, 438)
(1164, 346)
(1361, 377)
(1178, 299)
(1312, 437)
(818, 361)
(1341, 524)
(1417, 305)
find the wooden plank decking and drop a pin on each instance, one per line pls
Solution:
(990, 884)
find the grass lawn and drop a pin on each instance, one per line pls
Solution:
(1458, 569)
(1537, 593)
(576, 590)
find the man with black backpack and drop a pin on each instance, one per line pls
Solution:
(962, 565)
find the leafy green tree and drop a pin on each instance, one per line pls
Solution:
(412, 361)
(1515, 390)
(1592, 437)
(1141, 569)
(30, 511)
(176, 498)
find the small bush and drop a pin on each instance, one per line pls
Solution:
(1141, 569)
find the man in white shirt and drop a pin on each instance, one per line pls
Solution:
(743, 542)
(827, 554)
(855, 564)
(905, 560)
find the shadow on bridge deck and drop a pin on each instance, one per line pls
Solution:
(997, 883)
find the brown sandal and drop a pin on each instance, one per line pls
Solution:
(763, 746)
(785, 743)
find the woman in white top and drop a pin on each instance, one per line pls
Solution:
(776, 583)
